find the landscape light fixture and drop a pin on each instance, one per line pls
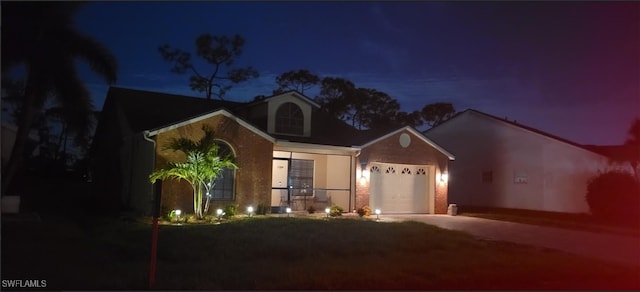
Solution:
(219, 213)
(377, 214)
(250, 210)
(288, 211)
(327, 210)
(177, 212)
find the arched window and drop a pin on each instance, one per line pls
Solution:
(225, 182)
(289, 119)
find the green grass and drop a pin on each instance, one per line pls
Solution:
(582, 222)
(267, 253)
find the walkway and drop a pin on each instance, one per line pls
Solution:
(624, 249)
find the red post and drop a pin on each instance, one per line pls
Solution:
(157, 192)
(154, 247)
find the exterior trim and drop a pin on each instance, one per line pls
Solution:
(415, 133)
(223, 112)
(283, 145)
(296, 94)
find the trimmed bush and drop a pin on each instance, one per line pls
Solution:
(335, 211)
(614, 197)
(262, 209)
(364, 211)
(230, 211)
(311, 209)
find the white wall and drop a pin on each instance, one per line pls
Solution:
(556, 173)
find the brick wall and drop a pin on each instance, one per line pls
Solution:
(253, 158)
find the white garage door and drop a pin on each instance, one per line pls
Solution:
(401, 188)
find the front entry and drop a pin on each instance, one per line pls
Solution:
(304, 181)
(401, 188)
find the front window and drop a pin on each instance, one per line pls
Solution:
(302, 177)
(289, 119)
(225, 181)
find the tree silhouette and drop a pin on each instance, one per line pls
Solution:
(299, 80)
(42, 37)
(218, 51)
(629, 152)
(436, 113)
(334, 96)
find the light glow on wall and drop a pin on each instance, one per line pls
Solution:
(363, 174)
(444, 178)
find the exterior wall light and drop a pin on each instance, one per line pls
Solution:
(250, 210)
(363, 176)
(378, 214)
(444, 177)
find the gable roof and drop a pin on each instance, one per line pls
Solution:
(146, 110)
(417, 134)
(155, 112)
(294, 93)
(326, 130)
(517, 125)
(223, 112)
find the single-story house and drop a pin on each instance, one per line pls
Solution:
(289, 152)
(504, 164)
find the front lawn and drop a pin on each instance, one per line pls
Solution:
(269, 253)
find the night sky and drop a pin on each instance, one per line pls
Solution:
(571, 69)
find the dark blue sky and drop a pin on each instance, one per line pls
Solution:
(570, 68)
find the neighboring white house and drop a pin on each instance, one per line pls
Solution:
(500, 163)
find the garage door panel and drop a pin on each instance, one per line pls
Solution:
(397, 188)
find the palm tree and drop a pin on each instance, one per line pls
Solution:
(202, 167)
(41, 37)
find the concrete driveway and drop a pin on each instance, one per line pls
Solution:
(623, 249)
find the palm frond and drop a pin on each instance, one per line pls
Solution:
(95, 54)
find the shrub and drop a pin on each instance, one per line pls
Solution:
(613, 197)
(229, 211)
(262, 209)
(335, 210)
(311, 210)
(364, 211)
(173, 217)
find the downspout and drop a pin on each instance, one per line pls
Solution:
(354, 180)
(145, 135)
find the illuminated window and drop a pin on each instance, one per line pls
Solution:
(289, 119)
(302, 177)
(225, 182)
